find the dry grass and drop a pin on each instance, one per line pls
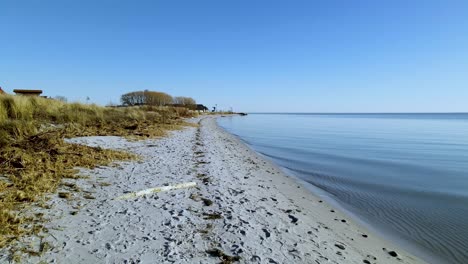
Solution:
(225, 258)
(34, 157)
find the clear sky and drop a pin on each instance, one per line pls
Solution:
(267, 56)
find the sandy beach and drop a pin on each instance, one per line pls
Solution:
(242, 209)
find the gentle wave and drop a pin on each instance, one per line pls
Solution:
(402, 174)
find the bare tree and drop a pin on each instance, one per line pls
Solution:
(182, 100)
(157, 98)
(133, 98)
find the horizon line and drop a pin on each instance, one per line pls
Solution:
(354, 113)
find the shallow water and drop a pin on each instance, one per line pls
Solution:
(404, 174)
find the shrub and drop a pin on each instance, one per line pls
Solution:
(34, 158)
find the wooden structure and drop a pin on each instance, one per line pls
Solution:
(27, 92)
(1, 91)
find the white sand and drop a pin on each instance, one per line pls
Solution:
(266, 216)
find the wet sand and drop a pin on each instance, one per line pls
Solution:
(243, 208)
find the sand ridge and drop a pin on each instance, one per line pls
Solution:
(243, 209)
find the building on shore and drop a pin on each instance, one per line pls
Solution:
(1, 91)
(197, 107)
(202, 108)
(27, 92)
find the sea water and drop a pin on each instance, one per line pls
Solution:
(405, 175)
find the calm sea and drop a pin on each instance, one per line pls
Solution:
(404, 175)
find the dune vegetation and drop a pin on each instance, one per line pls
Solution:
(34, 157)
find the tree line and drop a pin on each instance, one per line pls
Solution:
(155, 98)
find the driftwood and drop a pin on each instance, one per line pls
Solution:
(156, 190)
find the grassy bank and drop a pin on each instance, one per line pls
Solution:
(34, 157)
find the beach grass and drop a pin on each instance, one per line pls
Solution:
(34, 157)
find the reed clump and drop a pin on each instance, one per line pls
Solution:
(34, 157)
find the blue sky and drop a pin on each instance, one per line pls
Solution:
(267, 56)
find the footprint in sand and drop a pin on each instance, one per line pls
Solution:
(390, 252)
(293, 219)
(340, 246)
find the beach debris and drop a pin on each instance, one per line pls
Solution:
(89, 197)
(206, 202)
(197, 197)
(212, 216)
(226, 259)
(204, 178)
(72, 186)
(64, 195)
(206, 230)
(42, 247)
(194, 196)
(157, 190)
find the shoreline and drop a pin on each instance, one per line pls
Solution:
(380, 229)
(383, 236)
(244, 208)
